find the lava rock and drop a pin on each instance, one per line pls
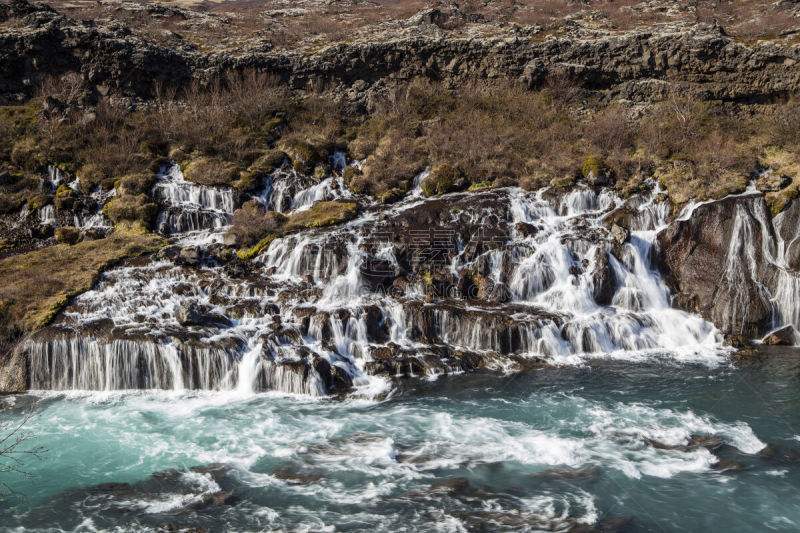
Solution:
(781, 337)
(604, 281)
(194, 314)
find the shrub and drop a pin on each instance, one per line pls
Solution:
(251, 223)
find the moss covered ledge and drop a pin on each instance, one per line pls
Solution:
(35, 286)
(320, 215)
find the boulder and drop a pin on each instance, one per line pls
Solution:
(619, 234)
(190, 255)
(710, 264)
(604, 281)
(781, 337)
(194, 314)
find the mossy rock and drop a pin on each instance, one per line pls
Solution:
(91, 176)
(780, 199)
(68, 235)
(263, 244)
(248, 181)
(391, 196)
(304, 155)
(322, 171)
(28, 154)
(10, 203)
(64, 190)
(38, 201)
(211, 171)
(445, 178)
(323, 214)
(138, 208)
(593, 167)
(349, 173)
(268, 162)
(136, 184)
(64, 202)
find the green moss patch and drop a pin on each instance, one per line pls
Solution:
(320, 215)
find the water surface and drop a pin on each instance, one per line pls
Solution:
(549, 450)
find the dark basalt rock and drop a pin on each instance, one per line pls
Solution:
(615, 524)
(643, 64)
(335, 379)
(295, 477)
(781, 337)
(698, 257)
(604, 281)
(193, 314)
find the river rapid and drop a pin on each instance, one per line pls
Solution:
(612, 444)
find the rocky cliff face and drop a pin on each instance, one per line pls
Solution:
(733, 264)
(639, 65)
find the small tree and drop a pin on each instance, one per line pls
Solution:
(14, 449)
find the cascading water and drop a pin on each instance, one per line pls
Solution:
(501, 279)
(195, 212)
(343, 308)
(288, 191)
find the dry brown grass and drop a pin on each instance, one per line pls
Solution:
(38, 284)
(235, 22)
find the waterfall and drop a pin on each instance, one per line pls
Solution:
(347, 308)
(47, 215)
(197, 212)
(287, 191)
